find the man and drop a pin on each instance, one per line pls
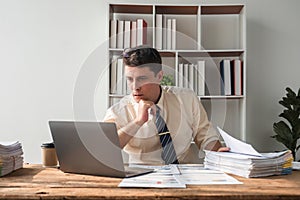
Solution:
(136, 116)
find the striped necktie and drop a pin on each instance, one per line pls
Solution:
(168, 153)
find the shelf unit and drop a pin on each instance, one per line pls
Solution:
(203, 32)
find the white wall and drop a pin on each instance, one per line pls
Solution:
(44, 48)
(47, 48)
(273, 64)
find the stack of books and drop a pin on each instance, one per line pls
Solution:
(244, 160)
(231, 72)
(10, 157)
(126, 34)
(249, 165)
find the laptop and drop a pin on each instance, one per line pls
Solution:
(90, 148)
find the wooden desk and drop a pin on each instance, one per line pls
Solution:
(36, 182)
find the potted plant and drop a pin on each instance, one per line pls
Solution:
(288, 131)
(167, 80)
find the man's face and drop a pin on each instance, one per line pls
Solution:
(143, 83)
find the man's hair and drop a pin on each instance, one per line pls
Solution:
(143, 56)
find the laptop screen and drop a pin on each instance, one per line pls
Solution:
(88, 147)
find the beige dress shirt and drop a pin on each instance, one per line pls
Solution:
(186, 120)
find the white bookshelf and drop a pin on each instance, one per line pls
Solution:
(203, 32)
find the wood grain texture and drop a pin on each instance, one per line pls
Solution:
(36, 182)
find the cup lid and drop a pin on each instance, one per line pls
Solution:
(48, 145)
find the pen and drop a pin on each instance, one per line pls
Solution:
(163, 133)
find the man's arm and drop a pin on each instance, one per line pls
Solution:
(205, 130)
(127, 132)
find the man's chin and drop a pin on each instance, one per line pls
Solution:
(137, 98)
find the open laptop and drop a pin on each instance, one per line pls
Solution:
(90, 148)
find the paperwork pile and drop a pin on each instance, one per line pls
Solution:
(178, 176)
(10, 157)
(244, 160)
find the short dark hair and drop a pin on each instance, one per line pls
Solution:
(143, 56)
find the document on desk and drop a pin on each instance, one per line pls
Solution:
(186, 174)
(193, 175)
(236, 145)
(153, 180)
(162, 177)
(243, 149)
(296, 165)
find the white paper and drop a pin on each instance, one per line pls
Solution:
(196, 174)
(296, 165)
(207, 178)
(154, 180)
(161, 169)
(238, 146)
(184, 174)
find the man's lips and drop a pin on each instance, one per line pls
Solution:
(137, 95)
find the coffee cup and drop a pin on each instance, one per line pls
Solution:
(49, 157)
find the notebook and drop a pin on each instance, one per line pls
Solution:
(90, 148)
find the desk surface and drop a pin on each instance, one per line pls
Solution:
(36, 182)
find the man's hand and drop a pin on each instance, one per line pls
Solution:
(143, 114)
(216, 146)
(223, 149)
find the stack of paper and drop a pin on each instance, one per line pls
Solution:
(244, 160)
(10, 157)
(250, 166)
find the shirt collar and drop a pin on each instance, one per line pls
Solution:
(161, 99)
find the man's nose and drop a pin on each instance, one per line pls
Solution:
(136, 85)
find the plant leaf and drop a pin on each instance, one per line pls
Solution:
(291, 116)
(290, 92)
(285, 104)
(297, 104)
(290, 101)
(284, 134)
(296, 129)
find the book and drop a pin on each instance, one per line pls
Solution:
(113, 34)
(169, 34)
(113, 76)
(225, 77)
(127, 32)
(191, 76)
(186, 75)
(120, 36)
(133, 34)
(119, 83)
(164, 32)
(180, 75)
(196, 79)
(173, 34)
(200, 79)
(141, 38)
(158, 31)
(236, 77)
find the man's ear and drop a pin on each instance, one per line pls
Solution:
(160, 75)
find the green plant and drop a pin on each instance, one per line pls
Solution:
(167, 80)
(288, 131)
